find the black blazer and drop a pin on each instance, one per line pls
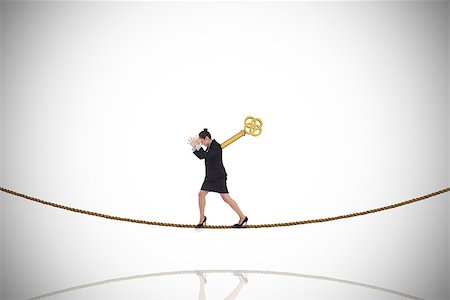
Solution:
(213, 160)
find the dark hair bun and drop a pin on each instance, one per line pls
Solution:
(204, 133)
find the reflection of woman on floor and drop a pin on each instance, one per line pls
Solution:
(216, 176)
(234, 293)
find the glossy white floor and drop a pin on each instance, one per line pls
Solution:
(61, 255)
(98, 100)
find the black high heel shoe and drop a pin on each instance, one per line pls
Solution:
(203, 223)
(241, 224)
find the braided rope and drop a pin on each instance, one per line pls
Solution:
(100, 215)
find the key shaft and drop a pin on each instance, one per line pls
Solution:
(233, 138)
(252, 126)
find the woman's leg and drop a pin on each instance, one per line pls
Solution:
(202, 204)
(233, 295)
(201, 292)
(234, 206)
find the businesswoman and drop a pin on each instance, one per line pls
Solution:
(216, 176)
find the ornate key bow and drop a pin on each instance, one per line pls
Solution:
(252, 126)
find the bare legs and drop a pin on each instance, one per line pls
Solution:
(202, 204)
(201, 292)
(234, 293)
(234, 206)
(226, 197)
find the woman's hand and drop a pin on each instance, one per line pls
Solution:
(194, 141)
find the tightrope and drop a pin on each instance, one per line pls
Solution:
(100, 215)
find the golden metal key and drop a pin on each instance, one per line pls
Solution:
(252, 126)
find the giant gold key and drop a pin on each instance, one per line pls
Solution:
(252, 126)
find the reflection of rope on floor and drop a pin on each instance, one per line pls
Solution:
(290, 274)
(96, 214)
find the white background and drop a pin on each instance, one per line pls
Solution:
(98, 101)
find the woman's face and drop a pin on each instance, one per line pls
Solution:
(205, 141)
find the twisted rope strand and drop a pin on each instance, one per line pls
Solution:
(100, 215)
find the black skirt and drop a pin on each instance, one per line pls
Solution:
(218, 185)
